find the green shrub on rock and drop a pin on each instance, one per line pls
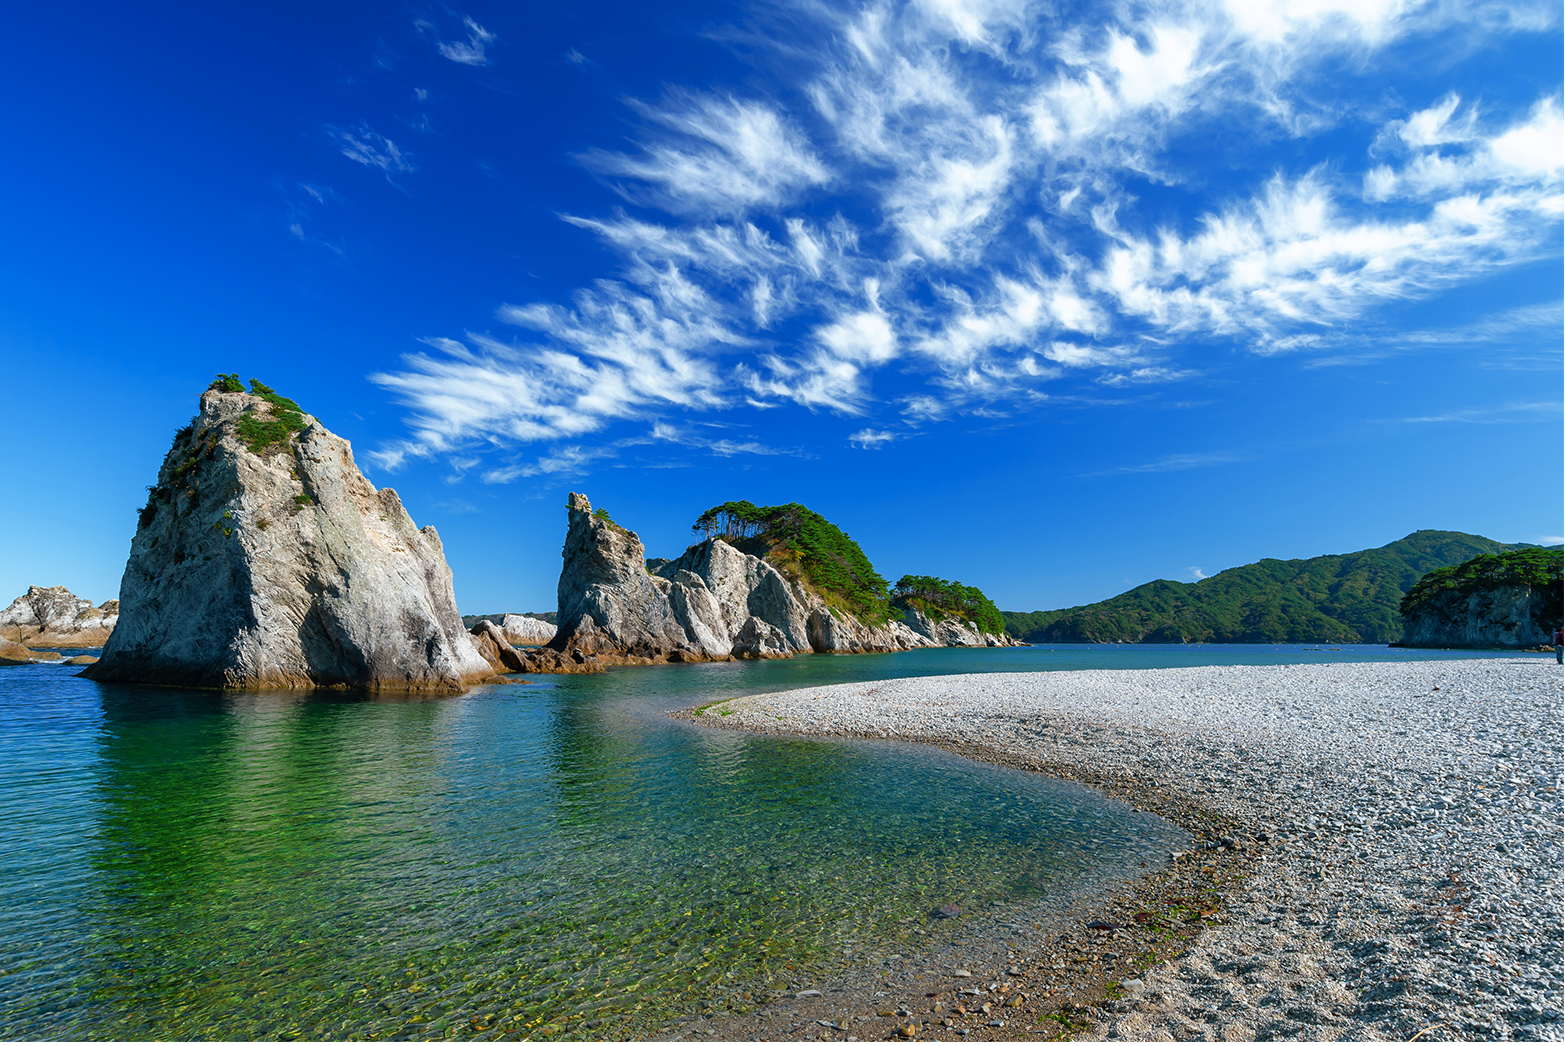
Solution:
(804, 543)
(1537, 567)
(939, 598)
(286, 418)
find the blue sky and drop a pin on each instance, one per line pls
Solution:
(1054, 299)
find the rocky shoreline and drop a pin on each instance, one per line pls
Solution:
(1378, 855)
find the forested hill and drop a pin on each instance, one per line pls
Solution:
(1351, 598)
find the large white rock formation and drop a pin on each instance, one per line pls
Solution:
(713, 603)
(55, 617)
(283, 568)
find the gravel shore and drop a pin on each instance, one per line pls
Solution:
(1401, 825)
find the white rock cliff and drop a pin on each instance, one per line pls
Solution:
(1504, 616)
(283, 568)
(713, 603)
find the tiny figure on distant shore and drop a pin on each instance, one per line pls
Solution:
(1559, 646)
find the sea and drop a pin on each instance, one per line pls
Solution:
(559, 859)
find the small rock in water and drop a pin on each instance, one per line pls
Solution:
(806, 993)
(946, 911)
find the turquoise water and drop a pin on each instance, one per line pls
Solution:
(554, 860)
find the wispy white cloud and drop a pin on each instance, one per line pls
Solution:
(712, 154)
(369, 147)
(464, 52)
(1507, 414)
(1180, 463)
(873, 439)
(952, 191)
(723, 448)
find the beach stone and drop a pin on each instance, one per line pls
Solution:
(1403, 905)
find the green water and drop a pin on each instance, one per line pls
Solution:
(557, 860)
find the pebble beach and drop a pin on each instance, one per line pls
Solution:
(1398, 827)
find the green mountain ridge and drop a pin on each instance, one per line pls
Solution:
(1349, 598)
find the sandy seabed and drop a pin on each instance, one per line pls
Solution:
(1382, 844)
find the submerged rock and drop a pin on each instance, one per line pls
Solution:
(17, 654)
(264, 558)
(54, 616)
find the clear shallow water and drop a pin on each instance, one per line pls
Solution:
(550, 860)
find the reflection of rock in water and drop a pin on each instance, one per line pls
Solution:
(241, 841)
(278, 564)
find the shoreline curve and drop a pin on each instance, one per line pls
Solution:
(1384, 840)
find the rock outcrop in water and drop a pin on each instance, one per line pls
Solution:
(525, 630)
(1512, 599)
(951, 631)
(713, 603)
(55, 617)
(264, 558)
(493, 646)
(17, 654)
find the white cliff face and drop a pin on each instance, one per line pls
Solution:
(55, 617)
(609, 604)
(1513, 616)
(714, 602)
(284, 568)
(952, 631)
